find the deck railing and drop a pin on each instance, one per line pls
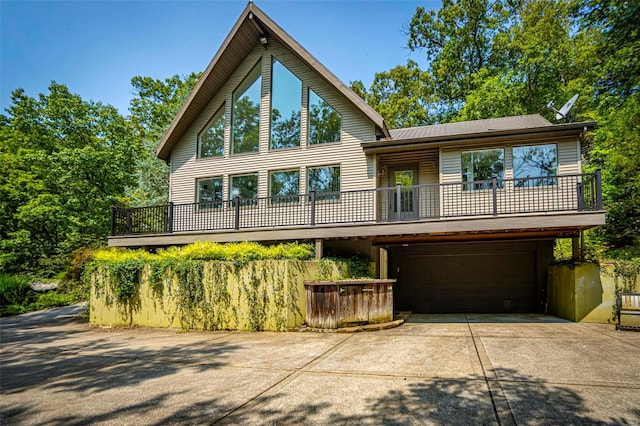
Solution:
(496, 197)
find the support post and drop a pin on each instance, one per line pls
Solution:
(319, 248)
(575, 248)
(494, 187)
(383, 263)
(237, 213)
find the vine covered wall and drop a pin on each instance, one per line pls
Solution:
(209, 286)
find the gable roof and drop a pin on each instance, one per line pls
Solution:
(244, 36)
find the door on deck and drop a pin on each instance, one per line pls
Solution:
(403, 195)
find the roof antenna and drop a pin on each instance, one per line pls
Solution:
(565, 111)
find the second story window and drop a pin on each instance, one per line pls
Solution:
(286, 101)
(533, 165)
(284, 186)
(209, 193)
(245, 118)
(325, 181)
(211, 140)
(480, 166)
(245, 187)
(324, 122)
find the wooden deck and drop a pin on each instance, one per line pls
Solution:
(528, 225)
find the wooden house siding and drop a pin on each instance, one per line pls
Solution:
(356, 170)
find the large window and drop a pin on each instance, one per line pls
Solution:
(209, 193)
(325, 181)
(245, 128)
(284, 186)
(481, 166)
(211, 141)
(535, 165)
(286, 101)
(244, 186)
(324, 121)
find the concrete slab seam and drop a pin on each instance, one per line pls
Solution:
(284, 381)
(501, 408)
(635, 346)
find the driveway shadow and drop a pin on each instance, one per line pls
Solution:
(442, 401)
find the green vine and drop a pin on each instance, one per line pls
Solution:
(213, 286)
(626, 274)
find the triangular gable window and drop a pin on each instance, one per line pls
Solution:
(211, 141)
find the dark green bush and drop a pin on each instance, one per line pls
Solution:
(15, 294)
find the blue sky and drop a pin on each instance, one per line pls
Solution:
(95, 47)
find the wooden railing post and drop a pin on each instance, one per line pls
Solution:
(494, 187)
(113, 220)
(313, 208)
(598, 189)
(237, 213)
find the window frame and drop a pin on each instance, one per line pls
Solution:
(550, 180)
(274, 59)
(283, 199)
(246, 201)
(308, 138)
(221, 110)
(216, 204)
(319, 197)
(470, 185)
(252, 76)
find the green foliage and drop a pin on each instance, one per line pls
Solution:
(460, 40)
(16, 297)
(64, 162)
(616, 150)
(155, 104)
(626, 274)
(337, 268)
(401, 95)
(15, 294)
(123, 270)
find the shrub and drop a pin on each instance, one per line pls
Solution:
(15, 294)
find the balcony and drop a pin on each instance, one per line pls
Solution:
(439, 203)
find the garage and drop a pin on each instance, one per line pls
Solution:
(471, 277)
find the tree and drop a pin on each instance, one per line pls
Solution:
(615, 147)
(64, 162)
(460, 39)
(155, 104)
(618, 44)
(402, 95)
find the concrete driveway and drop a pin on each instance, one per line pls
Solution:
(445, 369)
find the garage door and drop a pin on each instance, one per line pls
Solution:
(466, 277)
